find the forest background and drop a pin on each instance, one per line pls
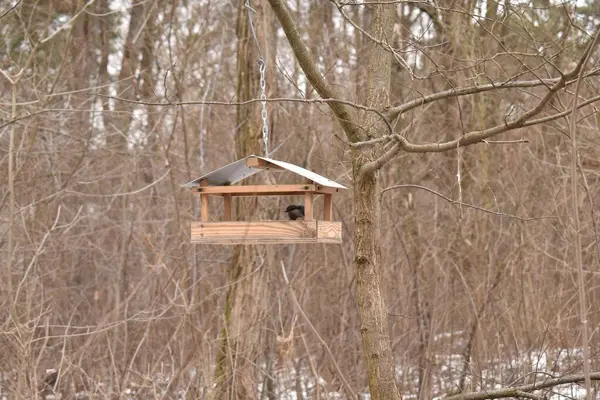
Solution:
(470, 255)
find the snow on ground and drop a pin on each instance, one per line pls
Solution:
(293, 384)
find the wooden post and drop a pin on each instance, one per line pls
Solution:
(227, 207)
(203, 203)
(308, 206)
(259, 163)
(328, 207)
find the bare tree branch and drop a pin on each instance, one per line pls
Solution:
(451, 201)
(10, 9)
(394, 112)
(478, 136)
(577, 227)
(519, 390)
(271, 100)
(68, 24)
(312, 73)
(312, 327)
(384, 44)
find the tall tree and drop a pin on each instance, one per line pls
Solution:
(373, 144)
(242, 334)
(100, 123)
(373, 313)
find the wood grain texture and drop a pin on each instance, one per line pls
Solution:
(328, 207)
(266, 232)
(227, 207)
(329, 230)
(308, 206)
(204, 205)
(265, 190)
(254, 162)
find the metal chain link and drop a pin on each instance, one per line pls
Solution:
(263, 82)
(263, 101)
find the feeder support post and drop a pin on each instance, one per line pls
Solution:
(204, 202)
(328, 207)
(227, 207)
(308, 206)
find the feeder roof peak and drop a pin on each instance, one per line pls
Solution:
(239, 170)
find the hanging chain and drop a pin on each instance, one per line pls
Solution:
(263, 82)
(250, 11)
(263, 101)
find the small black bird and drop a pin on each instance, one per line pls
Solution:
(295, 212)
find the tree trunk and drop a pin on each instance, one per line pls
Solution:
(374, 330)
(371, 305)
(236, 374)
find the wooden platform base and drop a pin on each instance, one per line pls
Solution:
(266, 232)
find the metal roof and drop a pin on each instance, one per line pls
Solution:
(237, 171)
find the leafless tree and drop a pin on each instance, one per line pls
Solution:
(468, 132)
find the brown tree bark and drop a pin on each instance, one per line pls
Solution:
(373, 314)
(236, 375)
(371, 304)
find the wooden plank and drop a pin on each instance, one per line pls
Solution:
(257, 190)
(329, 232)
(245, 241)
(240, 232)
(226, 207)
(328, 207)
(326, 189)
(266, 232)
(308, 206)
(204, 211)
(254, 162)
(265, 190)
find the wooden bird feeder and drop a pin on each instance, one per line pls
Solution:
(222, 183)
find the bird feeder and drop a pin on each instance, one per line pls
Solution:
(223, 183)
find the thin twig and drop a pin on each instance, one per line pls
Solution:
(588, 192)
(319, 338)
(39, 250)
(505, 141)
(452, 201)
(10, 9)
(478, 136)
(393, 112)
(577, 223)
(514, 391)
(112, 195)
(165, 84)
(314, 76)
(271, 100)
(67, 24)
(384, 44)
(520, 393)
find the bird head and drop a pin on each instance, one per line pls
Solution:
(295, 211)
(293, 207)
